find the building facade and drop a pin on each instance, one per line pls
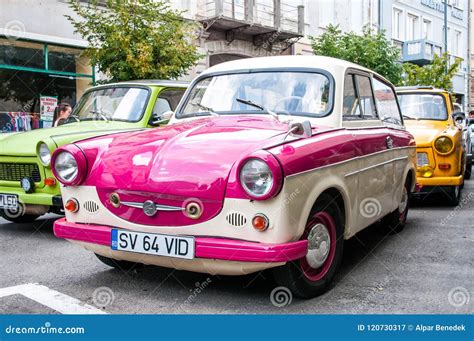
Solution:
(417, 27)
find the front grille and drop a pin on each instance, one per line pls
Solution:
(236, 219)
(17, 171)
(422, 159)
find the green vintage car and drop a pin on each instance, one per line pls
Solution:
(28, 188)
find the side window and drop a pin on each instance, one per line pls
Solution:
(366, 97)
(167, 100)
(386, 103)
(351, 107)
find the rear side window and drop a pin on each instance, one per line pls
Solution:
(351, 107)
(386, 103)
(167, 100)
(366, 97)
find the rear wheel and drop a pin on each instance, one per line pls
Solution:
(16, 216)
(395, 222)
(118, 264)
(312, 275)
(467, 173)
(454, 195)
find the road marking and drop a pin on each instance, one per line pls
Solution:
(50, 298)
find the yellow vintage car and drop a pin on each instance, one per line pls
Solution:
(441, 155)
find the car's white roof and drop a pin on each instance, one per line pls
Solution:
(332, 65)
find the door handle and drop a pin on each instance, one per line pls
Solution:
(389, 142)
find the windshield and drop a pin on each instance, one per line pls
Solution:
(290, 93)
(112, 104)
(423, 106)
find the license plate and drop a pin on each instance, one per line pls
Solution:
(153, 244)
(422, 159)
(9, 201)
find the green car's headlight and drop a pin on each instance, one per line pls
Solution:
(44, 154)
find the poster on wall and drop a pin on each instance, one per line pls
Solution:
(47, 106)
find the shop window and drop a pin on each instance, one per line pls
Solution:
(22, 54)
(67, 60)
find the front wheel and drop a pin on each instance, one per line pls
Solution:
(17, 216)
(454, 195)
(312, 275)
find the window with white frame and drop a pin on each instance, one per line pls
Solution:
(397, 24)
(457, 43)
(412, 26)
(426, 33)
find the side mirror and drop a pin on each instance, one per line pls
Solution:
(459, 117)
(301, 129)
(157, 120)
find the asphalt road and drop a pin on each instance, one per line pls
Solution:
(427, 268)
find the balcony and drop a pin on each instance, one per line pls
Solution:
(262, 21)
(420, 52)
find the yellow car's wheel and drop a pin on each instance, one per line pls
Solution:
(454, 195)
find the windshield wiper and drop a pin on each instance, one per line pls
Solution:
(206, 109)
(74, 117)
(101, 114)
(391, 120)
(409, 117)
(258, 106)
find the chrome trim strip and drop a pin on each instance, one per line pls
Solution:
(158, 207)
(375, 166)
(349, 160)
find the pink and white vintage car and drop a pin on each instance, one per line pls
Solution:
(267, 163)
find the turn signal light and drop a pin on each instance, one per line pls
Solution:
(72, 205)
(426, 171)
(260, 222)
(49, 181)
(444, 166)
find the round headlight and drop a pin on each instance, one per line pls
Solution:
(443, 145)
(256, 178)
(44, 154)
(66, 167)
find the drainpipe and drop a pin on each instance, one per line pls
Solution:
(249, 5)
(380, 26)
(301, 20)
(276, 14)
(446, 30)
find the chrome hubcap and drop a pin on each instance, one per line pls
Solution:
(319, 242)
(404, 202)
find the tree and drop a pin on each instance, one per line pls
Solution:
(371, 50)
(135, 39)
(438, 74)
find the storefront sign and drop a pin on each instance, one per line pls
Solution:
(438, 5)
(47, 106)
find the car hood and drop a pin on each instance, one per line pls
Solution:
(24, 143)
(185, 159)
(426, 131)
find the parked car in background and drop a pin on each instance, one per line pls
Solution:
(441, 148)
(266, 164)
(463, 122)
(28, 188)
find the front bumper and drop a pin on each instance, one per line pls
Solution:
(35, 198)
(246, 256)
(440, 181)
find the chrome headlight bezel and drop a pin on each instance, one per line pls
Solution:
(255, 170)
(66, 167)
(44, 153)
